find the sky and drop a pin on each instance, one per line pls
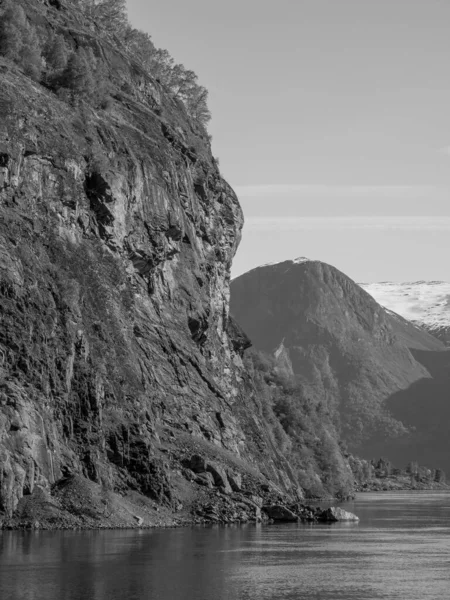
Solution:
(331, 121)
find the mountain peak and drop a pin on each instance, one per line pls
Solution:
(336, 339)
(297, 261)
(302, 259)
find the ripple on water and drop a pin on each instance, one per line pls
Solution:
(400, 549)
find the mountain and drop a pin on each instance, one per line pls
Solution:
(366, 362)
(426, 303)
(124, 398)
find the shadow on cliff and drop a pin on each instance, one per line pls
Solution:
(423, 407)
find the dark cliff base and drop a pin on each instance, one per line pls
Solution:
(78, 503)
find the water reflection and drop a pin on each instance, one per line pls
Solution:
(399, 549)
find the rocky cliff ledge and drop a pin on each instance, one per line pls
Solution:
(119, 361)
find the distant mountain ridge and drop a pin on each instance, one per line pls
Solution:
(342, 345)
(426, 303)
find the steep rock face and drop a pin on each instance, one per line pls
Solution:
(336, 340)
(116, 238)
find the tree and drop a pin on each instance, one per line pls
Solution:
(19, 41)
(439, 476)
(139, 44)
(13, 22)
(197, 105)
(183, 82)
(56, 53)
(12, 12)
(10, 40)
(111, 13)
(160, 66)
(78, 75)
(30, 55)
(412, 468)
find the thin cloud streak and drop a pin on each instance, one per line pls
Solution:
(337, 191)
(401, 223)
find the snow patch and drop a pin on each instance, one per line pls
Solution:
(301, 259)
(427, 302)
(295, 261)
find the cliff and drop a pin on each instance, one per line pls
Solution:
(123, 396)
(370, 365)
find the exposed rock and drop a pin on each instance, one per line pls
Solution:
(334, 513)
(280, 513)
(257, 500)
(205, 479)
(235, 480)
(239, 340)
(197, 464)
(220, 477)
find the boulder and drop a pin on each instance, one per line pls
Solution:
(235, 480)
(205, 479)
(334, 514)
(277, 512)
(197, 463)
(220, 477)
(257, 500)
(209, 473)
(188, 474)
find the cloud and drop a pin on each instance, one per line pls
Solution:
(335, 191)
(400, 223)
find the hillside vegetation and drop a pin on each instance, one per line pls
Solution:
(305, 427)
(76, 70)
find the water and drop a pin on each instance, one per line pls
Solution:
(399, 550)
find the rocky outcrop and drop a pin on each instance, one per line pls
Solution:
(210, 473)
(281, 513)
(118, 357)
(334, 514)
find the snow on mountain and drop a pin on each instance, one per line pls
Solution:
(426, 303)
(296, 261)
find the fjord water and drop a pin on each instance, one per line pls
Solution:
(400, 549)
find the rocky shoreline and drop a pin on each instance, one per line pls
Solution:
(208, 493)
(231, 512)
(399, 485)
